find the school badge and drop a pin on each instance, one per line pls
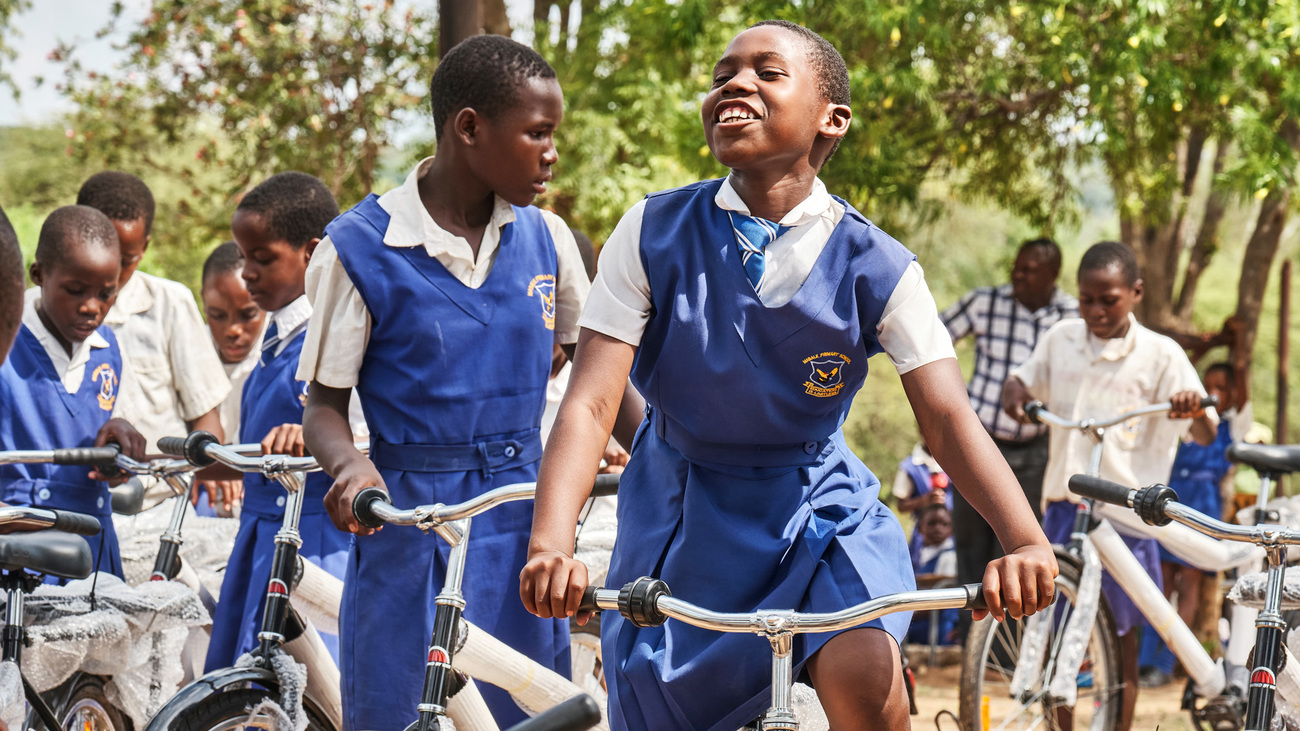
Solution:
(826, 376)
(302, 396)
(106, 377)
(543, 287)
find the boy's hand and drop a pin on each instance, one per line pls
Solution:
(351, 480)
(120, 432)
(1019, 584)
(285, 439)
(1014, 398)
(551, 585)
(1186, 405)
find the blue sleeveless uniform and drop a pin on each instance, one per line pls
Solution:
(919, 632)
(271, 397)
(1196, 475)
(37, 412)
(741, 492)
(922, 484)
(452, 384)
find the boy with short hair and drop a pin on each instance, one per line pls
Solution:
(441, 301)
(1100, 366)
(276, 227)
(178, 382)
(59, 387)
(745, 310)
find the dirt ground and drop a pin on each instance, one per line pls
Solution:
(937, 691)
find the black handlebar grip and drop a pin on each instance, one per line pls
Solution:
(1209, 401)
(88, 456)
(195, 444)
(79, 523)
(589, 600)
(361, 506)
(1099, 489)
(174, 446)
(605, 485)
(578, 713)
(1031, 411)
(975, 597)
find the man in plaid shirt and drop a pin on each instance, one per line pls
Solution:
(1006, 322)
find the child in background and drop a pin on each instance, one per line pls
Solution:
(177, 381)
(745, 310)
(920, 483)
(1198, 476)
(276, 226)
(1101, 366)
(934, 559)
(11, 285)
(60, 386)
(236, 324)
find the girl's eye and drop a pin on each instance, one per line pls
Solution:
(720, 80)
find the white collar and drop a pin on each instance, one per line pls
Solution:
(818, 204)
(410, 224)
(51, 344)
(134, 297)
(289, 319)
(1115, 348)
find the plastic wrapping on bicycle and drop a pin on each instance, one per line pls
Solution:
(1272, 459)
(20, 517)
(578, 713)
(647, 602)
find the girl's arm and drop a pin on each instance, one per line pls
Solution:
(1021, 582)
(328, 435)
(552, 582)
(630, 412)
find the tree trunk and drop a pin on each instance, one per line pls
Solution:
(1207, 240)
(457, 20)
(1255, 269)
(495, 19)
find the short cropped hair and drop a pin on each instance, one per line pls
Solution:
(1111, 254)
(11, 284)
(1048, 248)
(827, 64)
(118, 195)
(223, 260)
(587, 251)
(71, 226)
(1227, 369)
(296, 207)
(485, 73)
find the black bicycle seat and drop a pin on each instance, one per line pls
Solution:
(1273, 459)
(46, 552)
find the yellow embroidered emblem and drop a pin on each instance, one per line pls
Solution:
(827, 374)
(106, 377)
(543, 285)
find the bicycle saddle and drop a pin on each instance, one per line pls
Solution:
(1267, 458)
(46, 552)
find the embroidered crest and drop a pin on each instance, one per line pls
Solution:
(302, 397)
(106, 377)
(826, 374)
(543, 286)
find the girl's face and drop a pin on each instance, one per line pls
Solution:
(275, 273)
(936, 527)
(233, 317)
(1218, 384)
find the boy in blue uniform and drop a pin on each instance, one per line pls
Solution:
(749, 341)
(59, 386)
(276, 226)
(440, 302)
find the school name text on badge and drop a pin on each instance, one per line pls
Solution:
(826, 376)
(543, 285)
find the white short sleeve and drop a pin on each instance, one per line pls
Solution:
(572, 285)
(339, 329)
(910, 330)
(1036, 373)
(619, 305)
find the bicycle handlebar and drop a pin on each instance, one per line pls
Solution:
(1158, 505)
(575, 714)
(61, 520)
(1036, 412)
(372, 507)
(647, 602)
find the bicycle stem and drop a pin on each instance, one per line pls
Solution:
(449, 604)
(167, 564)
(287, 542)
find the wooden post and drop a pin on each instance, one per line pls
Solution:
(458, 20)
(1283, 351)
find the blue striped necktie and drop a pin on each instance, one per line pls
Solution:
(752, 237)
(269, 341)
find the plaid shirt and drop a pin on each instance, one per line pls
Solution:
(1005, 334)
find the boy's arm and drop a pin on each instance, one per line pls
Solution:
(1024, 577)
(630, 411)
(210, 423)
(552, 582)
(328, 436)
(1014, 397)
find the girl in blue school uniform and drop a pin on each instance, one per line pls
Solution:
(59, 386)
(441, 302)
(741, 491)
(276, 227)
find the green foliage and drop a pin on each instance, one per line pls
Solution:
(8, 9)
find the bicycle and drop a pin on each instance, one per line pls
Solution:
(1158, 505)
(447, 693)
(647, 602)
(1065, 665)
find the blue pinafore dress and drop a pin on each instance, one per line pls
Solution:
(741, 492)
(37, 412)
(919, 632)
(272, 396)
(452, 384)
(1197, 473)
(922, 484)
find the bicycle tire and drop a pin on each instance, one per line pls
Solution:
(984, 673)
(83, 705)
(228, 711)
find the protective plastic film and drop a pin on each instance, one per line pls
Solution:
(596, 538)
(205, 547)
(1064, 688)
(13, 706)
(288, 713)
(1250, 590)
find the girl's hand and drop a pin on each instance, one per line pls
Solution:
(121, 432)
(1019, 584)
(551, 585)
(285, 439)
(352, 479)
(1186, 405)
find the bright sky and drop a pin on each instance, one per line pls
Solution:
(38, 30)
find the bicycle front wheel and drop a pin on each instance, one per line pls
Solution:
(992, 653)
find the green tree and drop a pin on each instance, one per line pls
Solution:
(8, 9)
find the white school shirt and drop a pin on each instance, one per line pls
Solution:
(71, 368)
(909, 331)
(178, 374)
(339, 332)
(947, 553)
(238, 373)
(903, 485)
(290, 320)
(1079, 376)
